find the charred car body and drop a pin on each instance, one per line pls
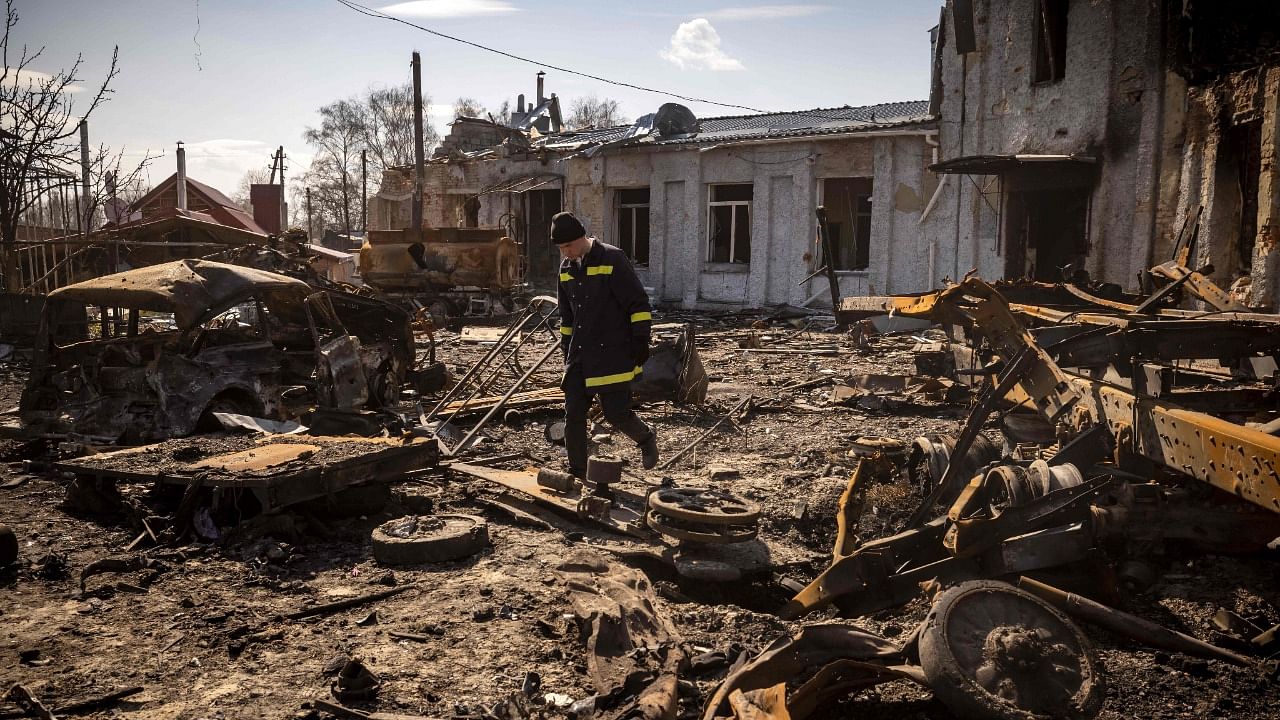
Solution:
(173, 343)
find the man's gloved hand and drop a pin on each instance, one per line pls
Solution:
(640, 351)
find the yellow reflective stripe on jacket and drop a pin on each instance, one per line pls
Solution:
(566, 329)
(600, 270)
(565, 277)
(616, 378)
(641, 316)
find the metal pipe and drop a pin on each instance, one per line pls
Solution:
(829, 251)
(466, 441)
(482, 385)
(1130, 626)
(87, 212)
(477, 367)
(182, 177)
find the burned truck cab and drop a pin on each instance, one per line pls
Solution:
(167, 346)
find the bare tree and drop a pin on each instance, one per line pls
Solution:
(244, 190)
(38, 123)
(591, 112)
(387, 126)
(468, 107)
(338, 142)
(503, 115)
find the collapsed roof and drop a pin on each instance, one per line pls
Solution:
(674, 125)
(193, 290)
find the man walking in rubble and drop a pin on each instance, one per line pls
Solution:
(604, 332)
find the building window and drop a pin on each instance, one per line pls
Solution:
(632, 211)
(848, 203)
(1051, 41)
(729, 223)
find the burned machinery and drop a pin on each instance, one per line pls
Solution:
(1162, 425)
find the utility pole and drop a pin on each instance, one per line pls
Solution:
(364, 193)
(309, 227)
(419, 159)
(284, 204)
(86, 209)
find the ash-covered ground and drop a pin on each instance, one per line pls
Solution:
(200, 629)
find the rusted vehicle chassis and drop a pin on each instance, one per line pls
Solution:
(175, 342)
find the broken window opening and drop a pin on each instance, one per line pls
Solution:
(1050, 41)
(632, 212)
(471, 212)
(729, 223)
(848, 204)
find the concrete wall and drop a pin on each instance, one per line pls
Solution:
(1111, 104)
(786, 180)
(1210, 177)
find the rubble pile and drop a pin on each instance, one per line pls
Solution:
(1027, 511)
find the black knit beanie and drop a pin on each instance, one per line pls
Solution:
(566, 228)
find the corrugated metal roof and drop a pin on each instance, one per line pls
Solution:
(585, 137)
(765, 126)
(819, 121)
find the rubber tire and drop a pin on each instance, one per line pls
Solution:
(451, 543)
(224, 403)
(351, 502)
(8, 546)
(967, 699)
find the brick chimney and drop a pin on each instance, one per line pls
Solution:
(267, 201)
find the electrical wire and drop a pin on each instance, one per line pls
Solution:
(383, 16)
(370, 12)
(196, 39)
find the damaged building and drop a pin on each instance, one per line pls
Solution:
(1092, 136)
(716, 212)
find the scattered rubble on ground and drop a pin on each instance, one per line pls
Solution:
(1040, 508)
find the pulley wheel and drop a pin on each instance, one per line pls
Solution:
(704, 506)
(694, 532)
(990, 650)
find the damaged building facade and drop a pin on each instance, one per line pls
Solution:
(1089, 136)
(716, 213)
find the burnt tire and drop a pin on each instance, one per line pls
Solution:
(460, 536)
(8, 546)
(990, 650)
(230, 403)
(353, 501)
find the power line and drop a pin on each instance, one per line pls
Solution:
(364, 10)
(383, 16)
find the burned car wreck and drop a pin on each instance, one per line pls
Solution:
(168, 345)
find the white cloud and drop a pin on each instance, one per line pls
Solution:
(13, 77)
(696, 45)
(766, 12)
(222, 162)
(449, 8)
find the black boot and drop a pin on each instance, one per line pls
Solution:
(649, 452)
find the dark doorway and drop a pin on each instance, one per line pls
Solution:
(541, 257)
(848, 203)
(1047, 232)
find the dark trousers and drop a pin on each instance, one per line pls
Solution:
(616, 404)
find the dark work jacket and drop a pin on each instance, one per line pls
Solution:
(604, 316)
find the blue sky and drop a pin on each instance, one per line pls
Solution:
(250, 74)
